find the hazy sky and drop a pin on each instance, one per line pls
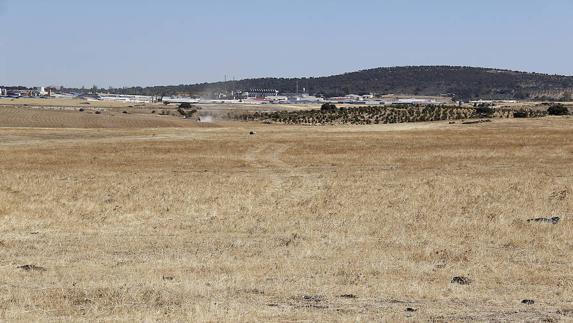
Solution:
(129, 42)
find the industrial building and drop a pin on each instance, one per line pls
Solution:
(41, 91)
(259, 93)
(126, 98)
(277, 99)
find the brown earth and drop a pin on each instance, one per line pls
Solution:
(342, 223)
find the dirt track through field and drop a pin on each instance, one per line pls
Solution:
(286, 180)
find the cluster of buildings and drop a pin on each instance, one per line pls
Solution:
(122, 98)
(41, 92)
(270, 96)
(273, 96)
(251, 96)
(16, 93)
(490, 102)
(373, 100)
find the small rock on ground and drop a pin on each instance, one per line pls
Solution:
(528, 302)
(31, 268)
(461, 280)
(553, 220)
(351, 296)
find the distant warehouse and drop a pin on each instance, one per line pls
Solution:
(259, 93)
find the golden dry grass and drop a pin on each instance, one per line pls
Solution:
(65, 102)
(17, 117)
(212, 224)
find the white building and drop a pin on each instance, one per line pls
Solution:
(305, 98)
(416, 101)
(126, 98)
(277, 99)
(353, 97)
(39, 91)
(259, 93)
(63, 95)
(482, 102)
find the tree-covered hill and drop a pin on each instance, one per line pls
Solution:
(461, 82)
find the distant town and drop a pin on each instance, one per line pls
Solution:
(250, 96)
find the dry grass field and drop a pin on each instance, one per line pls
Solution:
(66, 102)
(43, 108)
(14, 117)
(148, 222)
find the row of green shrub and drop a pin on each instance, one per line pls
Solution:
(330, 114)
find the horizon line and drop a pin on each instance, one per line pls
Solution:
(291, 78)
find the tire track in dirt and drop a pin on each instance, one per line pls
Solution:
(284, 177)
(266, 155)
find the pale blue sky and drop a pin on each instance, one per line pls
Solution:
(129, 42)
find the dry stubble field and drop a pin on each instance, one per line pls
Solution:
(291, 224)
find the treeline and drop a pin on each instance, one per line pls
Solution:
(463, 83)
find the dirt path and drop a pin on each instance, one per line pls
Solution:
(290, 182)
(269, 153)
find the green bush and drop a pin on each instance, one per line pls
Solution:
(484, 111)
(328, 107)
(557, 110)
(185, 105)
(520, 114)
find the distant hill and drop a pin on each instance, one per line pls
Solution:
(461, 82)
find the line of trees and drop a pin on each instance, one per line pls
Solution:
(464, 83)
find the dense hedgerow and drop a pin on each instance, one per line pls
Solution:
(385, 115)
(558, 110)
